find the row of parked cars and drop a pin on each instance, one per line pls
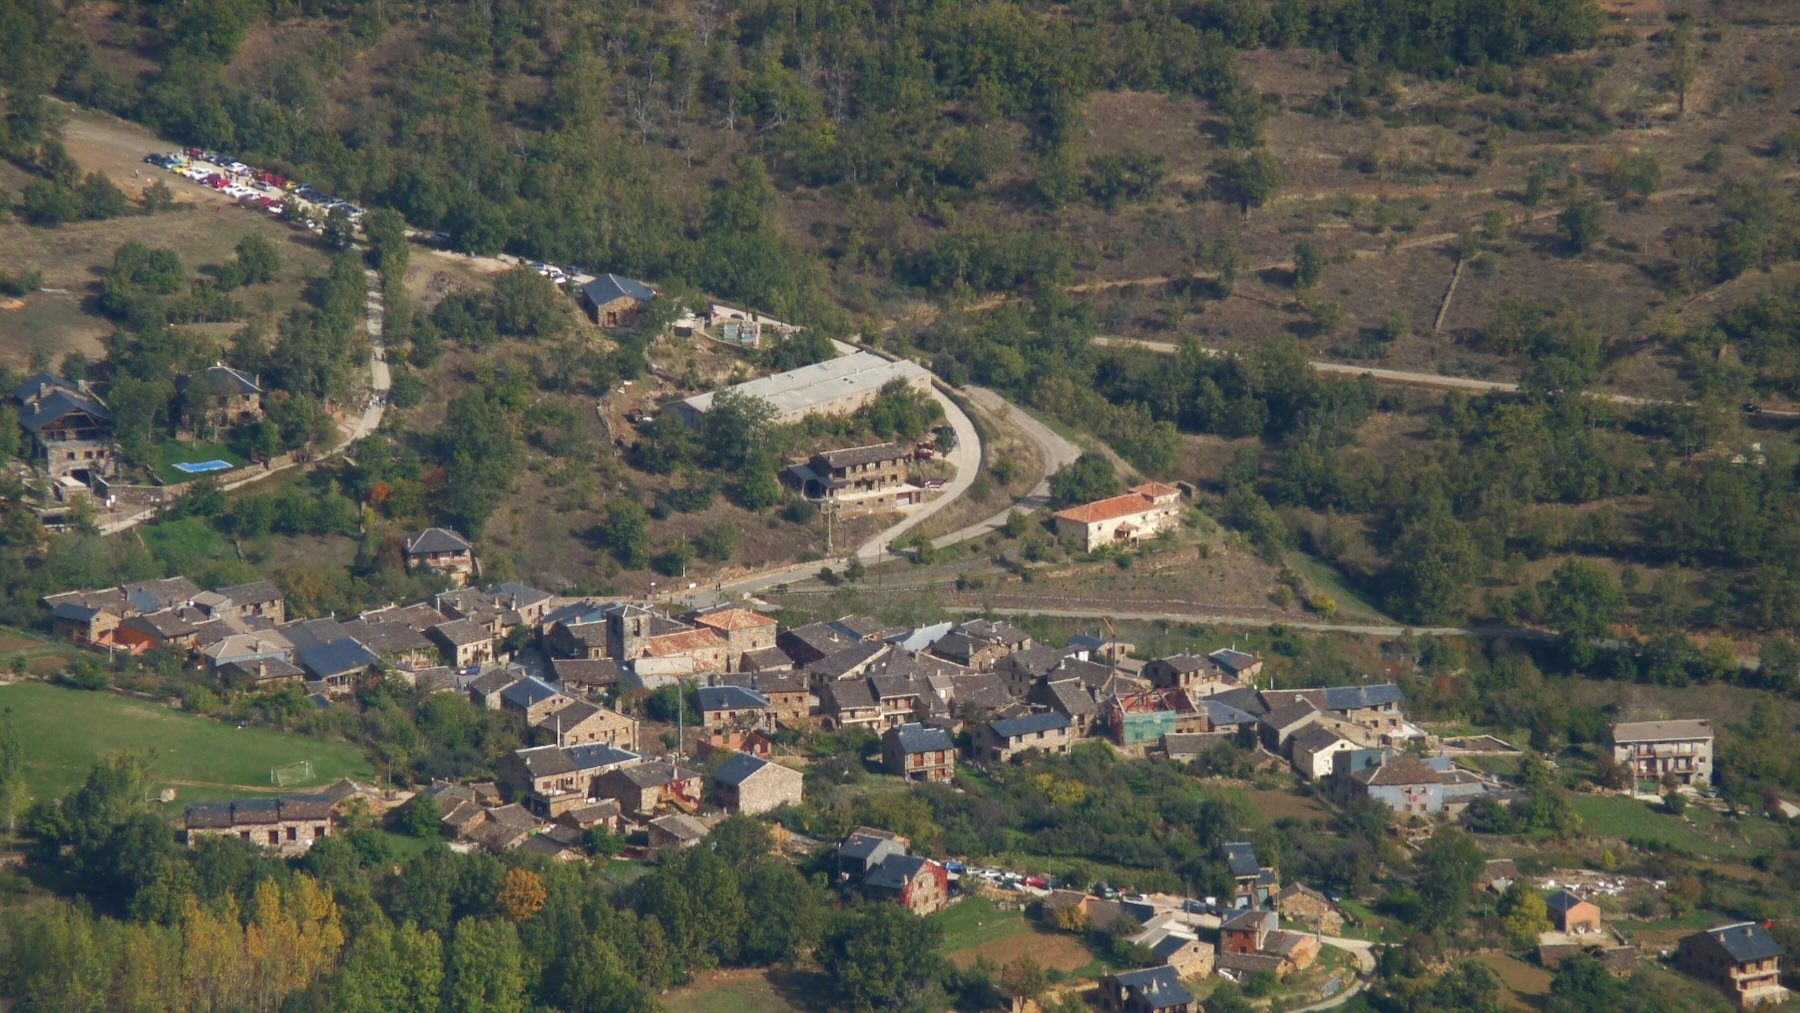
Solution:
(248, 185)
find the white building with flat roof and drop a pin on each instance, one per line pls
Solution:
(834, 387)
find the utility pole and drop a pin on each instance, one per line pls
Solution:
(830, 551)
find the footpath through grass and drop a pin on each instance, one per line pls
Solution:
(66, 731)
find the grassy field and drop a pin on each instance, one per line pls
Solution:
(1520, 982)
(976, 922)
(200, 758)
(1701, 832)
(749, 991)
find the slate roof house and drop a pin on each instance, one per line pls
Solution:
(919, 752)
(441, 550)
(749, 784)
(920, 885)
(1151, 990)
(646, 788)
(534, 698)
(71, 429)
(1256, 882)
(581, 722)
(732, 707)
(1741, 960)
(612, 300)
(551, 780)
(220, 397)
(999, 741)
(289, 824)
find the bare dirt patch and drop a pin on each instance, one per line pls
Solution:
(1052, 950)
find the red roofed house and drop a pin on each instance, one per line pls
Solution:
(1142, 512)
(743, 630)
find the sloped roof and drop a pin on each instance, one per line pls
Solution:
(1662, 731)
(894, 872)
(462, 632)
(1234, 661)
(221, 380)
(683, 641)
(528, 691)
(918, 738)
(1222, 713)
(436, 540)
(254, 593)
(1160, 986)
(742, 766)
(29, 387)
(1044, 722)
(585, 671)
(60, 403)
(1240, 858)
(850, 457)
(609, 287)
(493, 681)
(1399, 770)
(848, 694)
(733, 619)
(655, 774)
(1108, 509)
(1562, 901)
(1249, 920)
(720, 698)
(1746, 941)
(681, 826)
(336, 658)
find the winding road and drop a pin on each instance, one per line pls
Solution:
(1057, 452)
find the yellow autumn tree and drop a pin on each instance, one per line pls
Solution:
(212, 957)
(521, 894)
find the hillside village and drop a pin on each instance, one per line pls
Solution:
(578, 676)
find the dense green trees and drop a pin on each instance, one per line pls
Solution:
(1089, 478)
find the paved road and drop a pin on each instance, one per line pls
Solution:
(1364, 952)
(1413, 379)
(1056, 452)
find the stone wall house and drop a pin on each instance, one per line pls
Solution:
(290, 824)
(613, 301)
(732, 707)
(919, 753)
(999, 741)
(534, 698)
(441, 550)
(642, 790)
(220, 397)
(1309, 907)
(1151, 990)
(749, 784)
(920, 885)
(462, 643)
(580, 723)
(743, 631)
(551, 780)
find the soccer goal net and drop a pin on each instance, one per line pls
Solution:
(291, 773)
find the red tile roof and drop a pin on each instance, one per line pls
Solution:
(1108, 509)
(734, 619)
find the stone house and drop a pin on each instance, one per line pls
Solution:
(742, 630)
(919, 752)
(857, 476)
(920, 885)
(1309, 907)
(463, 643)
(999, 741)
(289, 824)
(1257, 883)
(441, 550)
(581, 723)
(732, 707)
(1314, 746)
(534, 698)
(675, 832)
(749, 784)
(789, 702)
(585, 676)
(220, 397)
(865, 849)
(613, 301)
(1741, 960)
(71, 429)
(849, 703)
(1151, 990)
(486, 688)
(259, 598)
(644, 789)
(1377, 708)
(551, 780)
(1403, 784)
